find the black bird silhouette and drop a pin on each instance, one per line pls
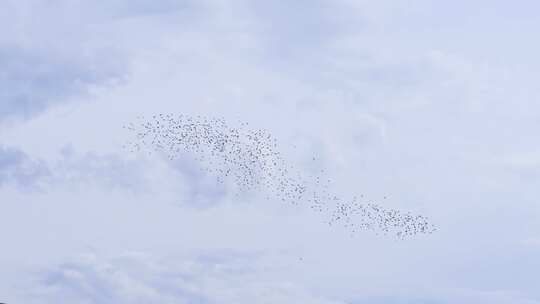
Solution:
(250, 158)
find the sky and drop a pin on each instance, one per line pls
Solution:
(433, 105)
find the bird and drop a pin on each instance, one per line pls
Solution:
(250, 159)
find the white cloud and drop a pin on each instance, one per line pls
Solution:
(433, 105)
(17, 168)
(218, 277)
(136, 278)
(112, 172)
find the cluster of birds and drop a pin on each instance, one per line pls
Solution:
(249, 159)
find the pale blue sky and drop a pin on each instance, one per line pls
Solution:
(432, 104)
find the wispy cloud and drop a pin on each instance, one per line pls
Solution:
(17, 168)
(220, 277)
(36, 80)
(111, 172)
(137, 278)
(53, 51)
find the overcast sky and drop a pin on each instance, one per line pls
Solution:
(433, 104)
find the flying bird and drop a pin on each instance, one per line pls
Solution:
(251, 159)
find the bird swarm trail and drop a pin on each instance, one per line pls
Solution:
(251, 160)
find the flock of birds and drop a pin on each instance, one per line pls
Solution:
(250, 160)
